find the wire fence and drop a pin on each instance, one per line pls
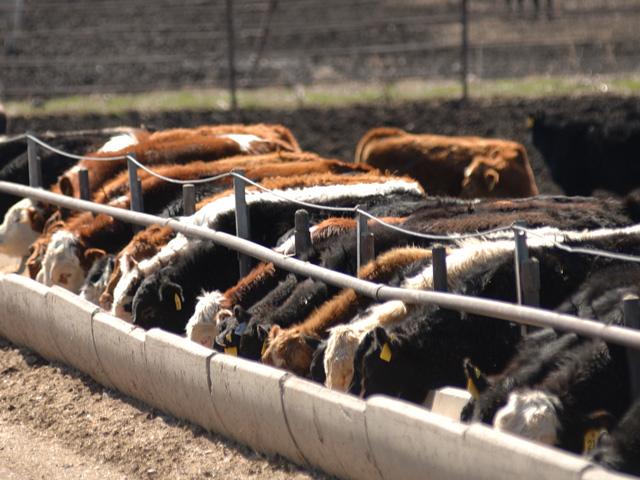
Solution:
(355, 210)
(164, 45)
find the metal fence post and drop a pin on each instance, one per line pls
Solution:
(11, 42)
(302, 235)
(363, 245)
(261, 42)
(242, 220)
(631, 309)
(464, 53)
(530, 273)
(188, 199)
(439, 266)
(134, 185)
(33, 160)
(83, 180)
(231, 57)
(521, 255)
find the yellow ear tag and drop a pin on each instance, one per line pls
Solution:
(385, 354)
(591, 439)
(530, 122)
(231, 351)
(471, 388)
(176, 299)
(264, 348)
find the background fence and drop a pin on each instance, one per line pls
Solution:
(63, 47)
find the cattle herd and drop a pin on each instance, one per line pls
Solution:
(553, 387)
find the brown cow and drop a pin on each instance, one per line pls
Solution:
(182, 146)
(288, 348)
(466, 167)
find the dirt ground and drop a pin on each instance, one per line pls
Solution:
(57, 423)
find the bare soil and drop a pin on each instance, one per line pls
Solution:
(57, 423)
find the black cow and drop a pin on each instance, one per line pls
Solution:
(588, 153)
(619, 450)
(167, 298)
(428, 348)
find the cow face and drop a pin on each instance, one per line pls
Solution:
(202, 327)
(531, 414)
(97, 278)
(66, 261)
(161, 303)
(387, 367)
(22, 225)
(339, 357)
(501, 173)
(253, 340)
(289, 349)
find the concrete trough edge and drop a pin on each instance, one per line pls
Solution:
(416, 416)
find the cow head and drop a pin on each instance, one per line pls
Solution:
(253, 340)
(22, 225)
(159, 302)
(500, 173)
(123, 293)
(531, 414)
(97, 278)
(202, 327)
(383, 365)
(339, 356)
(66, 261)
(290, 349)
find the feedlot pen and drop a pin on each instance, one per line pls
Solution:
(380, 408)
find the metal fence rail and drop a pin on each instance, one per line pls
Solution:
(489, 308)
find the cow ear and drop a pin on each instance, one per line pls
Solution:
(34, 268)
(312, 341)
(238, 312)
(36, 219)
(172, 293)
(380, 335)
(262, 331)
(65, 186)
(273, 333)
(477, 381)
(491, 178)
(93, 254)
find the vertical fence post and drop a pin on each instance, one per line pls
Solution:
(261, 41)
(631, 309)
(83, 180)
(242, 220)
(302, 235)
(188, 199)
(11, 43)
(521, 255)
(439, 265)
(231, 57)
(134, 186)
(464, 51)
(530, 282)
(364, 245)
(35, 167)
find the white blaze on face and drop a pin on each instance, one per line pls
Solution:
(202, 327)
(338, 356)
(119, 142)
(530, 414)
(16, 232)
(61, 264)
(243, 140)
